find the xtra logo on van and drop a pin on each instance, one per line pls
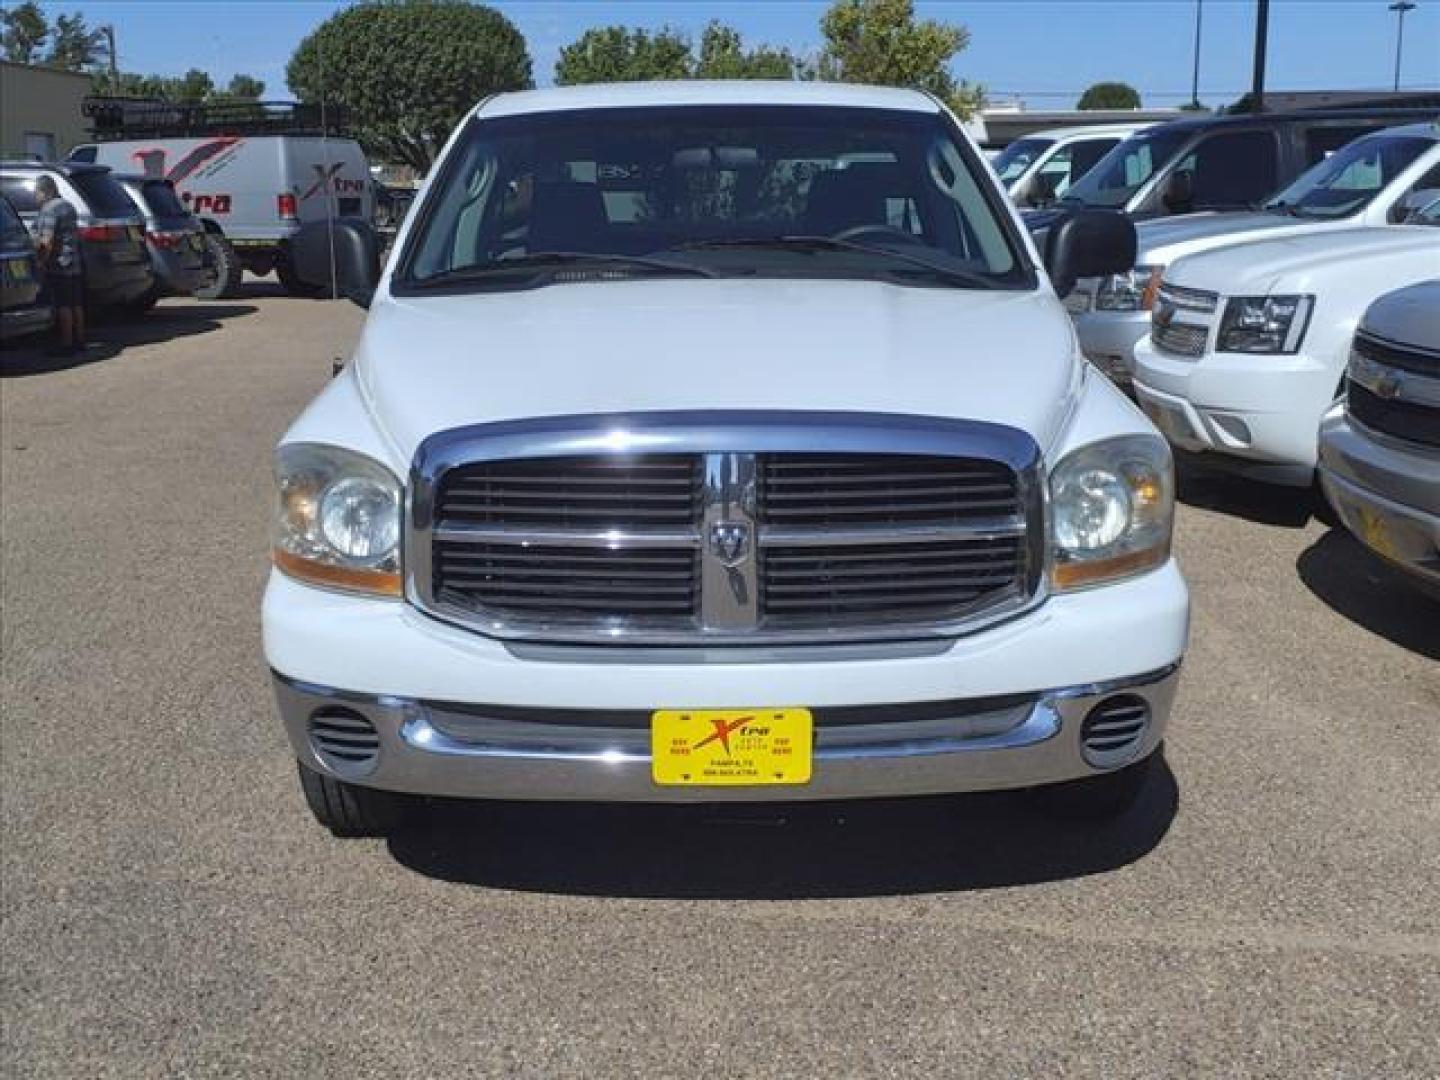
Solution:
(330, 175)
(153, 162)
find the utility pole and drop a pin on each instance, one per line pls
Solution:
(1195, 76)
(109, 30)
(1262, 28)
(1400, 7)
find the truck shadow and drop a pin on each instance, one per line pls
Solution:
(1208, 488)
(884, 847)
(110, 337)
(1360, 587)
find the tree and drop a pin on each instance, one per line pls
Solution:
(244, 88)
(25, 31)
(724, 56)
(1110, 95)
(406, 71)
(74, 46)
(618, 54)
(881, 43)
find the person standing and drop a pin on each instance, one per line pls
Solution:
(57, 242)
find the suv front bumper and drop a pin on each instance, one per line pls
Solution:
(458, 714)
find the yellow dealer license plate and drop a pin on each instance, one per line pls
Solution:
(731, 747)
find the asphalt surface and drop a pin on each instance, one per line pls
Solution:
(1272, 908)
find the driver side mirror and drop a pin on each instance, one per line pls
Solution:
(1040, 189)
(1178, 193)
(339, 256)
(1088, 243)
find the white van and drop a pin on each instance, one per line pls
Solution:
(252, 173)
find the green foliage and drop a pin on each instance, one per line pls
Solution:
(880, 42)
(25, 29)
(621, 54)
(74, 46)
(194, 86)
(408, 70)
(618, 54)
(1110, 95)
(244, 88)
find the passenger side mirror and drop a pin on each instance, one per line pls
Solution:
(1088, 243)
(1039, 190)
(349, 246)
(1178, 194)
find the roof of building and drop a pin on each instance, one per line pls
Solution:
(703, 92)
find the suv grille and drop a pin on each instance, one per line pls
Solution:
(1401, 419)
(1395, 389)
(677, 548)
(1183, 339)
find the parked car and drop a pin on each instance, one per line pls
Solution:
(112, 236)
(179, 256)
(252, 172)
(1249, 343)
(775, 474)
(1039, 168)
(1380, 449)
(1378, 179)
(1217, 162)
(24, 308)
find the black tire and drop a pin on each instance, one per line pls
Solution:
(292, 284)
(1097, 798)
(228, 270)
(349, 810)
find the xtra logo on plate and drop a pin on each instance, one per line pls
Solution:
(731, 746)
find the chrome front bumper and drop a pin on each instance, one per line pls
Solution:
(436, 748)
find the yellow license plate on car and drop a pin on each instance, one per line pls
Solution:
(18, 270)
(731, 747)
(1375, 531)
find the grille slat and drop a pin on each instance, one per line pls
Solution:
(1407, 420)
(1183, 339)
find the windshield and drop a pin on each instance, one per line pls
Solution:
(713, 190)
(1019, 156)
(161, 198)
(103, 194)
(1346, 181)
(1125, 169)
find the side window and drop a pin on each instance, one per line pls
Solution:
(1321, 142)
(1421, 194)
(1233, 169)
(20, 190)
(1085, 155)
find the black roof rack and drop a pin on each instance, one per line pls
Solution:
(115, 118)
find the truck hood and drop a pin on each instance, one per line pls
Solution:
(1408, 316)
(1295, 262)
(1159, 241)
(433, 363)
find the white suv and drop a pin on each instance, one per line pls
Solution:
(713, 442)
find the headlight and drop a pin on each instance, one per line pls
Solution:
(339, 519)
(1134, 291)
(1264, 324)
(1112, 505)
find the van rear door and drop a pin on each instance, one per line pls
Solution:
(329, 177)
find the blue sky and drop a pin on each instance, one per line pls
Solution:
(1046, 51)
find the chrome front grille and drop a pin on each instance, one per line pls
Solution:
(700, 528)
(1183, 339)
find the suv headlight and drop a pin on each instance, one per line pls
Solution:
(339, 519)
(1264, 324)
(1134, 291)
(1112, 505)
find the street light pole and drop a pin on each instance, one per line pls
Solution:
(1195, 76)
(114, 65)
(1400, 7)
(1262, 28)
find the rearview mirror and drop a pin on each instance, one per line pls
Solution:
(1178, 194)
(340, 256)
(1088, 243)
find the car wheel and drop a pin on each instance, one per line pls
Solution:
(285, 271)
(349, 810)
(228, 271)
(1107, 795)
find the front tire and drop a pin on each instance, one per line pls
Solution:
(1097, 798)
(349, 810)
(228, 270)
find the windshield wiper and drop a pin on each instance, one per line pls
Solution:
(539, 262)
(815, 244)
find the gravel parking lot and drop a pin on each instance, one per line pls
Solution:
(170, 909)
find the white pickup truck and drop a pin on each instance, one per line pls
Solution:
(1249, 343)
(719, 441)
(1378, 179)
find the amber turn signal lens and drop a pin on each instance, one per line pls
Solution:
(1070, 575)
(374, 582)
